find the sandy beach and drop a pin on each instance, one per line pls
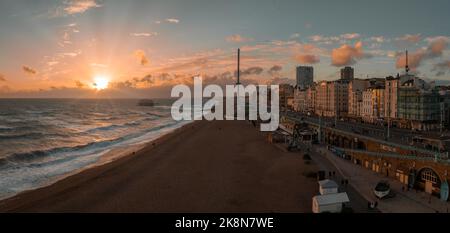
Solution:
(220, 166)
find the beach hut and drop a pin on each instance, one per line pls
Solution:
(328, 187)
(329, 203)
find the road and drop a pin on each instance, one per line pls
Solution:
(400, 136)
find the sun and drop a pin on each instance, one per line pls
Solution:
(101, 82)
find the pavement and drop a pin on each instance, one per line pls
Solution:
(358, 203)
(364, 180)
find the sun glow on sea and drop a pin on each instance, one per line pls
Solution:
(101, 82)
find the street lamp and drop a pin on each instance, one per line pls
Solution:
(389, 118)
(442, 117)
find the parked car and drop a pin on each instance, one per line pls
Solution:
(382, 189)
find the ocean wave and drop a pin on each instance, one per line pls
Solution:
(155, 114)
(119, 126)
(5, 128)
(29, 157)
(30, 135)
(108, 118)
(33, 157)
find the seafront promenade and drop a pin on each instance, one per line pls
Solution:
(364, 181)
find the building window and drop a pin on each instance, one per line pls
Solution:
(429, 175)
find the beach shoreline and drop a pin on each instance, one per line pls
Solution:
(108, 157)
(200, 157)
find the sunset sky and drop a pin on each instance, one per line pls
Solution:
(57, 48)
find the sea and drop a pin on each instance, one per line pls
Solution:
(45, 140)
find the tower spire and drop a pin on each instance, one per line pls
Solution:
(238, 67)
(407, 66)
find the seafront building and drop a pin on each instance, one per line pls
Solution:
(331, 99)
(444, 93)
(339, 98)
(373, 105)
(324, 105)
(286, 95)
(356, 88)
(405, 101)
(419, 105)
(347, 73)
(304, 76)
(300, 104)
(390, 97)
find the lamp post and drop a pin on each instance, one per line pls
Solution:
(320, 128)
(389, 118)
(442, 116)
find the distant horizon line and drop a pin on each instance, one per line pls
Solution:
(82, 98)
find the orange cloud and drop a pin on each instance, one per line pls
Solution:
(142, 58)
(99, 65)
(307, 59)
(308, 48)
(79, 6)
(2, 78)
(438, 45)
(414, 59)
(347, 54)
(79, 84)
(435, 48)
